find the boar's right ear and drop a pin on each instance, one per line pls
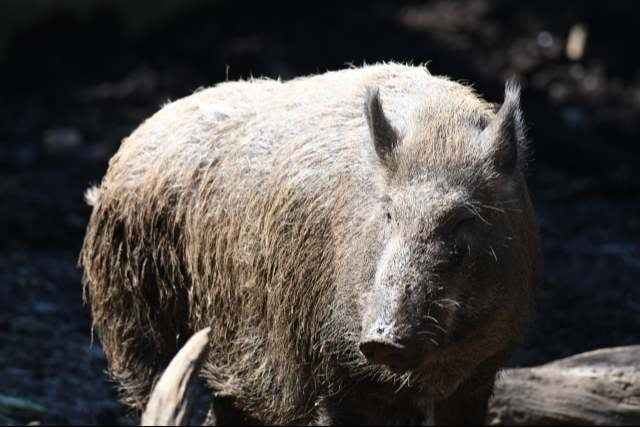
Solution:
(384, 136)
(504, 138)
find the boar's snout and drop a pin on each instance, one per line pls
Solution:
(380, 351)
(381, 346)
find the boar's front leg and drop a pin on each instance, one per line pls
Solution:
(361, 407)
(469, 404)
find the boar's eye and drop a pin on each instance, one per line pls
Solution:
(459, 222)
(459, 237)
(462, 224)
(387, 215)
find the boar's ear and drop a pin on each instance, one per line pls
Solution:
(504, 137)
(384, 136)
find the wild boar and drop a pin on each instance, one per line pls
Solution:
(361, 242)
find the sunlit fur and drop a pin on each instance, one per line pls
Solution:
(258, 208)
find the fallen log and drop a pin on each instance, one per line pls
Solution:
(600, 387)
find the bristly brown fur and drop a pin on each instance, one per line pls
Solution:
(254, 208)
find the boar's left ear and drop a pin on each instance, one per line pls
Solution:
(384, 136)
(504, 138)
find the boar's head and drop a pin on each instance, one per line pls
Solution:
(454, 270)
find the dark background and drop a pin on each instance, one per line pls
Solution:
(78, 76)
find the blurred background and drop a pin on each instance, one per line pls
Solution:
(76, 76)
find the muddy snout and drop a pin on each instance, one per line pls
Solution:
(384, 352)
(381, 346)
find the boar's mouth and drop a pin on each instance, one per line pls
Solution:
(399, 357)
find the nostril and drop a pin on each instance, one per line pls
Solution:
(382, 352)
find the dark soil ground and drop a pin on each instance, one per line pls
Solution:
(72, 87)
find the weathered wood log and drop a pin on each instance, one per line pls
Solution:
(600, 387)
(172, 397)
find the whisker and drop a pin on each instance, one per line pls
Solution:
(447, 301)
(440, 328)
(474, 210)
(433, 319)
(493, 253)
(493, 208)
(406, 382)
